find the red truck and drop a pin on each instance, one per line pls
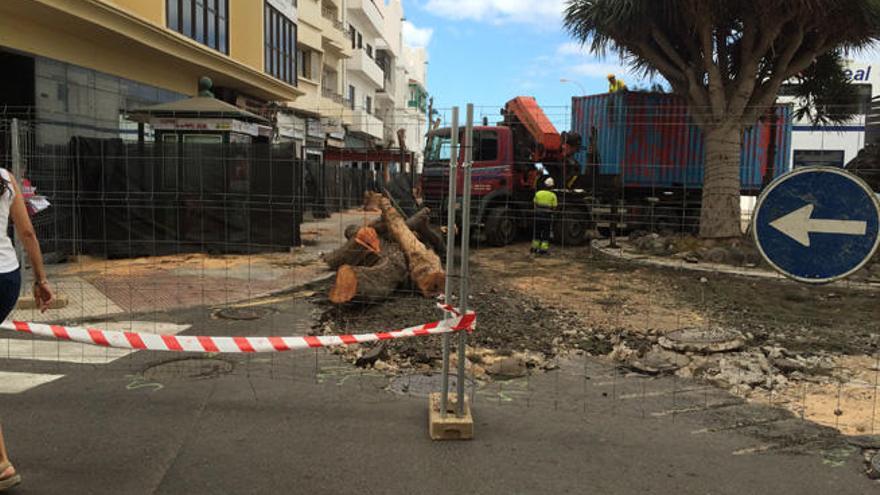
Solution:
(505, 174)
(639, 165)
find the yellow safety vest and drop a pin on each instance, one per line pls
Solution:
(546, 199)
(616, 86)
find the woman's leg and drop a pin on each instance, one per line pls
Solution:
(10, 286)
(4, 458)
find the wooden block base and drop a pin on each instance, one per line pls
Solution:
(451, 427)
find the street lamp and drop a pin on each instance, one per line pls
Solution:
(579, 85)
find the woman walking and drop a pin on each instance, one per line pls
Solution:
(12, 206)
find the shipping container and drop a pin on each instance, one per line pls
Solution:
(650, 141)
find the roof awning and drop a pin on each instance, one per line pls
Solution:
(200, 107)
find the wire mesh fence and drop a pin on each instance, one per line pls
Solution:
(630, 314)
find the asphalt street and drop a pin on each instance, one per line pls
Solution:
(307, 423)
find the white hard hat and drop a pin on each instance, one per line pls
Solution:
(549, 182)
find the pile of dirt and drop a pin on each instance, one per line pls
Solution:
(510, 324)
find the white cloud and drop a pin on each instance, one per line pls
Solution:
(416, 37)
(538, 12)
(600, 70)
(572, 48)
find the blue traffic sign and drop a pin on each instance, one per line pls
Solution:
(817, 224)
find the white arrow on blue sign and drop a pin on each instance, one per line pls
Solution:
(817, 224)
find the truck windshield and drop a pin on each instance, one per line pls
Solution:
(485, 147)
(439, 148)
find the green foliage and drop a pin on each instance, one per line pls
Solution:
(729, 57)
(824, 94)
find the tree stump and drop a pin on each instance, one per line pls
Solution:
(362, 249)
(370, 284)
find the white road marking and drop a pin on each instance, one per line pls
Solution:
(69, 352)
(72, 352)
(16, 383)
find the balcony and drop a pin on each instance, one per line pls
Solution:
(383, 96)
(369, 12)
(360, 62)
(332, 17)
(365, 123)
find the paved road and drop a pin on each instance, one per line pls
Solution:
(305, 423)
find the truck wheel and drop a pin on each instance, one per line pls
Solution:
(500, 227)
(572, 230)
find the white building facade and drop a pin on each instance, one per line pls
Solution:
(837, 144)
(378, 77)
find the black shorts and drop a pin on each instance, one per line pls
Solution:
(10, 287)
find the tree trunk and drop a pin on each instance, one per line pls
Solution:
(720, 213)
(420, 223)
(425, 268)
(362, 249)
(370, 284)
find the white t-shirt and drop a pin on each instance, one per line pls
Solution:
(8, 259)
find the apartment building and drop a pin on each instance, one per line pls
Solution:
(315, 120)
(379, 75)
(80, 65)
(329, 73)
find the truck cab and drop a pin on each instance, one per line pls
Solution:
(504, 177)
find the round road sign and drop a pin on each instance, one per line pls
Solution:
(817, 224)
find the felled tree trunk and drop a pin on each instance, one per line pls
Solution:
(370, 284)
(425, 269)
(362, 249)
(420, 223)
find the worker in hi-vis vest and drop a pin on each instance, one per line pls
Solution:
(615, 84)
(545, 203)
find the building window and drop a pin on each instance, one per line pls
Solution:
(360, 40)
(369, 51)
(280, 46)
(353, 34)
(368, 104)
(304, 63)
(351, 96)
(205, 21)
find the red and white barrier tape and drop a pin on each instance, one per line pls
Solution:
(188, 343)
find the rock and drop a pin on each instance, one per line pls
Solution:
(658, 360)
(773, 352)
(717, 255)
(508, 367)
(865, 441)
(688, 256)
(874, 467)
(371, 356)
(787, 365)
(748, 368)
(702, 340)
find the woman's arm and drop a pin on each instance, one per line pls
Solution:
(24, 229)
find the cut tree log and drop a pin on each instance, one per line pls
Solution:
(370, 284)
(420, 223)
(425, 268)
(362, 249)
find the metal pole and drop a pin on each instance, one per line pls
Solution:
(16, 171)
(463, 293)
(450, 255)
